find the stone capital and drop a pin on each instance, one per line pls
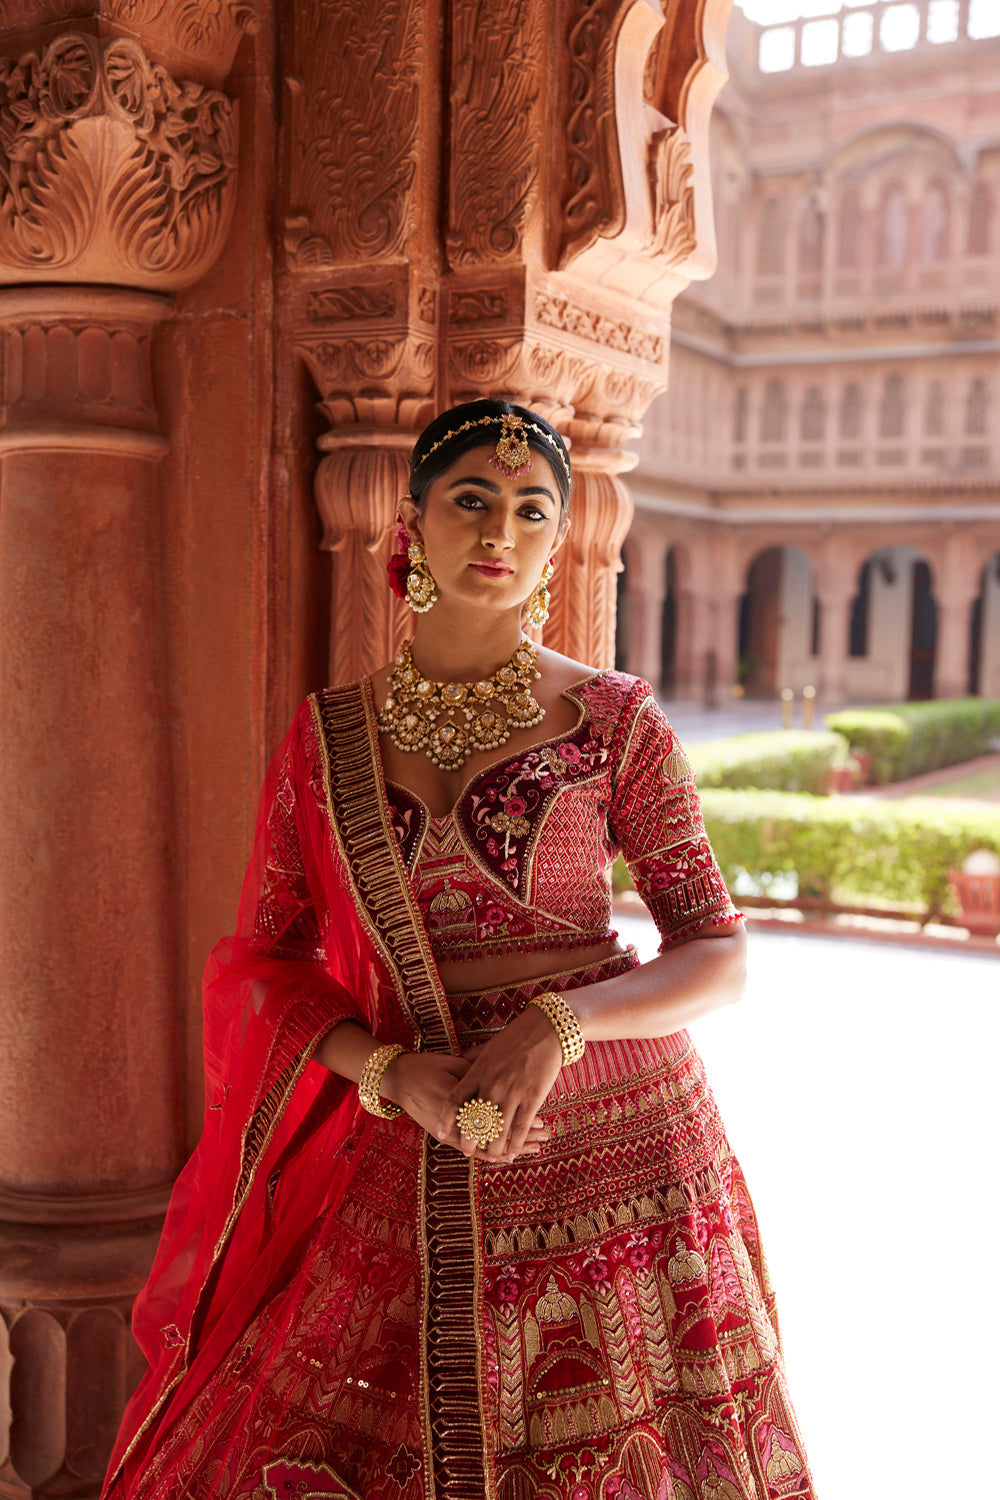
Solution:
(112, 171)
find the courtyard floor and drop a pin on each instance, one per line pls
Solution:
(858, 1084)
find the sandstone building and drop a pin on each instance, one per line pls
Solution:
(818, 494)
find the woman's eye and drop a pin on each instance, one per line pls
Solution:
(532, 513)
(469, 502)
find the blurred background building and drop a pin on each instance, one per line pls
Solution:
(818, 493)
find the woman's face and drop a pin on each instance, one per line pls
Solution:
(487, 536)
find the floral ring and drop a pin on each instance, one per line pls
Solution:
(481, 1120)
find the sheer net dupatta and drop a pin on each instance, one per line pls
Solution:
(277, 1151)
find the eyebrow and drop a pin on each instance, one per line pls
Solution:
(494, 489)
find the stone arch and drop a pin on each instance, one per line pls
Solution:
(892, 640)
(778, 618)
(881, 147)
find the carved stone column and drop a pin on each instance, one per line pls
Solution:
(835, 607)
(540, 265)
(956, 584)
(645, 593)
(116, 184)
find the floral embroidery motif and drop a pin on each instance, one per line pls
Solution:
(524, 860)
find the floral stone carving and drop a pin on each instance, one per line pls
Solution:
(111, 171)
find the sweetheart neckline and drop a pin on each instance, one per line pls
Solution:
(569, 693)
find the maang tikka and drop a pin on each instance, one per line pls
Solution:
(512, 456)
(536, 606)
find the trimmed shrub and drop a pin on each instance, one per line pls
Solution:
(849, 851)
(788, 760)
(880, 733)
(927, 736)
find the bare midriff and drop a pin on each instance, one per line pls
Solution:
(461, 976)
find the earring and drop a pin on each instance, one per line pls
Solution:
(536, 606)
(421, 590)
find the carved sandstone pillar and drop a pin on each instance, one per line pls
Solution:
(116, 181)
(956, 584)
(645, 593)
(835, 606)
(513, 216)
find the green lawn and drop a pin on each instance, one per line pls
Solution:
(975, 786)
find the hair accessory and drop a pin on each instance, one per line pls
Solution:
(493, 421)
(565, 1024)
(536, 606)
(422, 715)
(398, 566)
(481, 1120)
(421, 590)
(370, 1082)
(512, 455)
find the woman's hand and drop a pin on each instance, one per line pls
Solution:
(424, 1084)
(515, 1069)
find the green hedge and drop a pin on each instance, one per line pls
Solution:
(906, 739)
(845, 850)
(788, 760)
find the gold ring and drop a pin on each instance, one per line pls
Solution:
(481, 1120)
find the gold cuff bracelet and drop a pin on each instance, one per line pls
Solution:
(565, 1024)
(370, 1082)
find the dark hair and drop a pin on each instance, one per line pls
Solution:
(475, 424)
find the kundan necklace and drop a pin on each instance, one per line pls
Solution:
(423, 715)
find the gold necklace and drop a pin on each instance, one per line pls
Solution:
(422, 715)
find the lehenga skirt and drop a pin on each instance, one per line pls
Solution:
(594, 1323)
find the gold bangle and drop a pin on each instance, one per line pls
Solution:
(370, 1082)
(564, 1023)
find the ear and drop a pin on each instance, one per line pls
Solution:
(410, 517)
(562, 532)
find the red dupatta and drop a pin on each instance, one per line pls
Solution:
(328, 930)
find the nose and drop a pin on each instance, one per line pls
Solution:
(497, 531)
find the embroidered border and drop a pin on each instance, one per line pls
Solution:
(360, 821)
(450, 1252)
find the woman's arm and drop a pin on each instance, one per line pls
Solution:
(666, 994)
(517, 1067)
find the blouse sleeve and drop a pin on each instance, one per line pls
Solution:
(655, 819)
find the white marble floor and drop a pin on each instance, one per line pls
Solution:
(858, 1081)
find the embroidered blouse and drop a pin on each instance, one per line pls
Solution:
(523, 861)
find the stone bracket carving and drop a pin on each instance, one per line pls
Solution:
(369, 346)
(355, 111)
(189, 35)
(111, 171)
(626, 67)
(496, 129)
(671, 179)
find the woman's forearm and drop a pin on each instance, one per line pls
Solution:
(667, 993)
(345, 1049)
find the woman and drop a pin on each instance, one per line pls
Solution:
(463, 1221)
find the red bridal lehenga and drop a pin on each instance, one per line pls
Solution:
(342, 1307)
